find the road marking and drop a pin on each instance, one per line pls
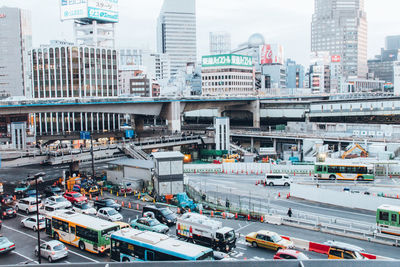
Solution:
(34, 237)
(241, 228)
(25, 257)
(241, 248)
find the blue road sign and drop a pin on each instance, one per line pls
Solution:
(84, 135)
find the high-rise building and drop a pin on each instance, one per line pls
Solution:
(294, 74)
(15, 42)
(220, 43)
(176, 33)
(340, 28)
(382, 65)
(392, 42)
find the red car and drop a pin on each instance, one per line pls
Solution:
(74, 197)
(290, 254)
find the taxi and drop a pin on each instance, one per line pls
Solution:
(268, 240)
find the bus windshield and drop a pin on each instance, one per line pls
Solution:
(209, 256)
(109, 231)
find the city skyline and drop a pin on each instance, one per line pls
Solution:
(290, 23)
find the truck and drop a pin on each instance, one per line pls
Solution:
(204, 231)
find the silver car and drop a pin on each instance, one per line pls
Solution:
(52, 250)
(109, 214)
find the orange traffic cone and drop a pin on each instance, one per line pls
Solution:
(212, 213)
(248, 217)
(97, 198)
(223, 215)
(129, 205)
(137, 206)
(190, 210)
(262, 218)
(122, 204)
(236, 216)
(178, 211)
(201, 212)
(279, 194)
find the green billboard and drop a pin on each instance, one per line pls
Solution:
(227, 60)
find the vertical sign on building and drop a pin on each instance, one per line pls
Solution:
(222, 133)
(396, 73)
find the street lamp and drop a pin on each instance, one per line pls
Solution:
(36, 177)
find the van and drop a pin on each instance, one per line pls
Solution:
(48, 208)
(343, 251)
(277, 179)
(162, 214)
(27, 204)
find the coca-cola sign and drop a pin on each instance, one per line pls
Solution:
(336, 58)
(271, 54)
(2, 16)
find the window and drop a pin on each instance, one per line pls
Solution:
(319, 168)
(87, 234)
(347, 255)
(394, 218)
(335, 253)
(383, 216)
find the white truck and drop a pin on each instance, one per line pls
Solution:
(202, 230)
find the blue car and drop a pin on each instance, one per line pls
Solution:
(149, 224)
(6, 245)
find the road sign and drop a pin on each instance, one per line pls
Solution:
(85, 135)
(129, 133)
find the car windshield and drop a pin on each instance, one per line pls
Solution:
(166, 211)
(112, 212)
(3, 240)
(153, 222)
(55, 189)
(76, 195)
(276, 238)
(109, 201)
(60, 199)
(85, 206)
(230, 235)
(59, 247)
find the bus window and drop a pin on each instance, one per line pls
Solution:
(87, 234)
(72, 229)
(394, 218)
(319, 168)
(383, 216)
(149, 255)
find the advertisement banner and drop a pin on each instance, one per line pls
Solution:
(73, 9)
(271, 54)
(227, 60)
(336, 58)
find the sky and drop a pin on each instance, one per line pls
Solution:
(287, 22)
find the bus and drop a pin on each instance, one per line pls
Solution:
(80, 230)
(343, 172)
(129, 245)
(388, 219)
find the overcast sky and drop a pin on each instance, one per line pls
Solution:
(280, 21)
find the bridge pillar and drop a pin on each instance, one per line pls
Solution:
(74, 167)
(173, 114)
(255, 109)
(137, 123)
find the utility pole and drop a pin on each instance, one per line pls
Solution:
(36, 177)
(92, 153)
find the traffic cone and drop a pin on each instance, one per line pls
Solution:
(111, 191)
(154, 200)
(294, 173)
(236, 216)
(223, 215)
(97, 198)
(194, 171)
(129, 205)
(279, 194)
(262, 219)
(116, 201)
(201, 212)
(257, 172)
(137, 206)
(90, 196)
(138, 196)
(189, 210)
(212, 213)
(261, 171)
(178, 211)
(122, 204)
(117, 193)
(248, 217)
(287, 196)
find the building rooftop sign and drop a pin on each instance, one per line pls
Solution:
(100, 10)
(227, 60)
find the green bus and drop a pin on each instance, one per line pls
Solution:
(347, 172)
(80, 230)
(388, 219)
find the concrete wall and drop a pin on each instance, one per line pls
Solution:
(132, 172)
(339, 198)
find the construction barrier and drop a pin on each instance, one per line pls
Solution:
(319, 248)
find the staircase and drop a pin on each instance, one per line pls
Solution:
(134, 152)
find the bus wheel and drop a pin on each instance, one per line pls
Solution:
(361, 178)
(125, 259)
(332, 177)
(56, 236)
(81, 245)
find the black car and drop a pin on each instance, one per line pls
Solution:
(107, 202)
(7, 212)
(6, 199)
(50, 191)
(162, 214)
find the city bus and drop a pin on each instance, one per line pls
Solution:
(388, 219)
(80, 230)
(344, 172)
(129, 245)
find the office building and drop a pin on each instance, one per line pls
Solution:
(396, 82)
(74, 71)
(392, 42)
(340, 28)
(176, 33)
(294, 74)
(382, 65)
(140, 85)
(227, 75)
(220, 43)
(273, 70)
(15, 42)
(319, 72)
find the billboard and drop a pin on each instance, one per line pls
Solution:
(227, 60)
(101, 10)
(271, 54)
(336, 59)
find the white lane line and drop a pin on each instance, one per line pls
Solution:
(241, 228)
(241, 248)
(25, 257)
(34, 237)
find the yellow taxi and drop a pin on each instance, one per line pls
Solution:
(269, 240)
(123, 225)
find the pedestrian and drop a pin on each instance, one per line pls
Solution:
(289, 213)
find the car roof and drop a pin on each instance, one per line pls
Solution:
(53, 243)
(107, 208)
(290, 251)
(265, 232)
(29, 199)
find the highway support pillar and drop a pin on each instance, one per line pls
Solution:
(255, 109)
(172, 112)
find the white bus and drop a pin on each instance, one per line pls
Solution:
(80, 230)
(129, 245)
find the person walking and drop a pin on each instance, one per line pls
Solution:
(289, 213)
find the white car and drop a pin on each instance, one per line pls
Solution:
(83, 207)
(31, 223)
(109, 214)
(277, 179)
(58, 200)
(52, 250)
(49, 208)
(27, 204)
